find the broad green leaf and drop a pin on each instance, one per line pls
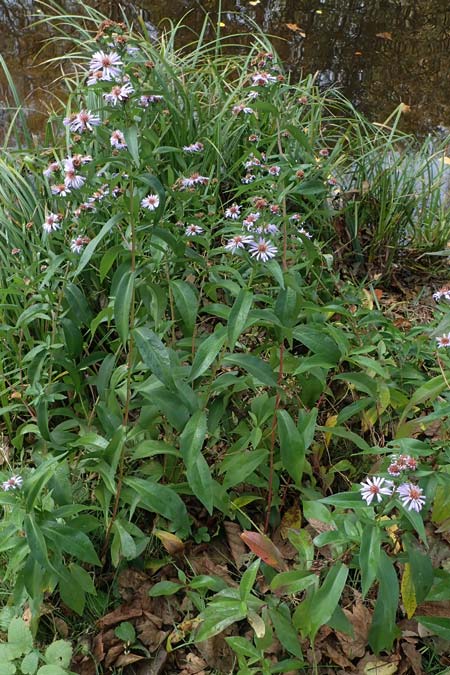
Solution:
(438, 625)
(125, 631)
(122, 305)
(369, 556)
(73, 541)
(218, 615)
(422, 571)
(237, 320)
(164, 588)
(51, 670)
(127, 545)
(186, 302)
(36, 541)
(253, 365)
(59, 653)
(200, 481)
(287, 583)
(292, 448)
(427, 392)
(8, 668)
(383, 630)
(91, 247)
(207, 352)
(154, 355)
(30, 663)
(242, 647)
(160, 499)
(20, 638)
(321, 604)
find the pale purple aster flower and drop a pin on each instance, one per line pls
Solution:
(61, 190)
(120, 92)
(145, 101)
(193, 147)
(394, 469)
(132, 50)
(13, 483)
(411, 496)
(78, 243)
(262, 249)
(373, 487)
(85, 206)
(274, 170)
(305, 233)
(252, 161)
(295, 217)
(94, 76)
(252, 95)
(237, 242)
(117, 140)
(193, 180)
(268, 228)
(192, 230)
(233, 211)
(52, 222)
(248, 178)
(324, 152)
(263, 79)
(151, 202)
(109, 64)
(250, 219)
(73, 180)
(241, 108)
(74, 162)
(443, 340)
(443, 292)
(52, 167)
(82, 121)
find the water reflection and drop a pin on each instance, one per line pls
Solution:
(379, 52)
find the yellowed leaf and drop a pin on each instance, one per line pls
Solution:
(330, 422)
(257, 624)
(171, 542)
(254, 2)
(446, 160)
(408, 592)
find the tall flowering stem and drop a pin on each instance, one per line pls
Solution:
(130, 353)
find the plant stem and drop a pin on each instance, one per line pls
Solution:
(272, 439)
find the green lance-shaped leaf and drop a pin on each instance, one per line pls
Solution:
(154, 355)
(91, 247)
(186, 302)
(369, 556)
(198, 473)
(122, 304)
(292, 448)
(237, 320)
(383, 630)
(207, 352)
(132, 139)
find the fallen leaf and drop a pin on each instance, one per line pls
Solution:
(296, 29)
(126, 659)
(262, 546)
(414, 657)
(354, 646)
(173, 544)
(385, 35)
(380, 668)
(337, 657)
(446, 160)
(237, 546)
(405, 108)
(122, 613)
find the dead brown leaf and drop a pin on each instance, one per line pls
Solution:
(237, 547)
(194, 665)
(338, 657)
(173, 544)
(384, 35)
(439, 609)
(414, 657)
(360, 618)
(127, 659)
(122, 613)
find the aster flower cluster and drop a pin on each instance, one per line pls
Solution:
(411, 495)
(13, 483)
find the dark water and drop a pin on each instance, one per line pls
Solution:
(379, 52)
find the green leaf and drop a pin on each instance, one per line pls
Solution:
(292, 448)
(440, 626)
(127, 545)
(73, 541)
(122, 304)
(59, 653)
(383, 630)
(369, 556)
(91, 247)
(254, 366)
(125, 631)
(36, 541)
(51, 670)
(238, 316)
(285, 631)
(295, 581)
(193, 437)
(200, 481)
(242, 647)
(207, 352)
(164, 588)
(186, 302)
(30, 663)
(161, 499)
(248, 579)
(219, 615)
(154, 355)
(7, 668)
(132, 140)
(20, 639)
